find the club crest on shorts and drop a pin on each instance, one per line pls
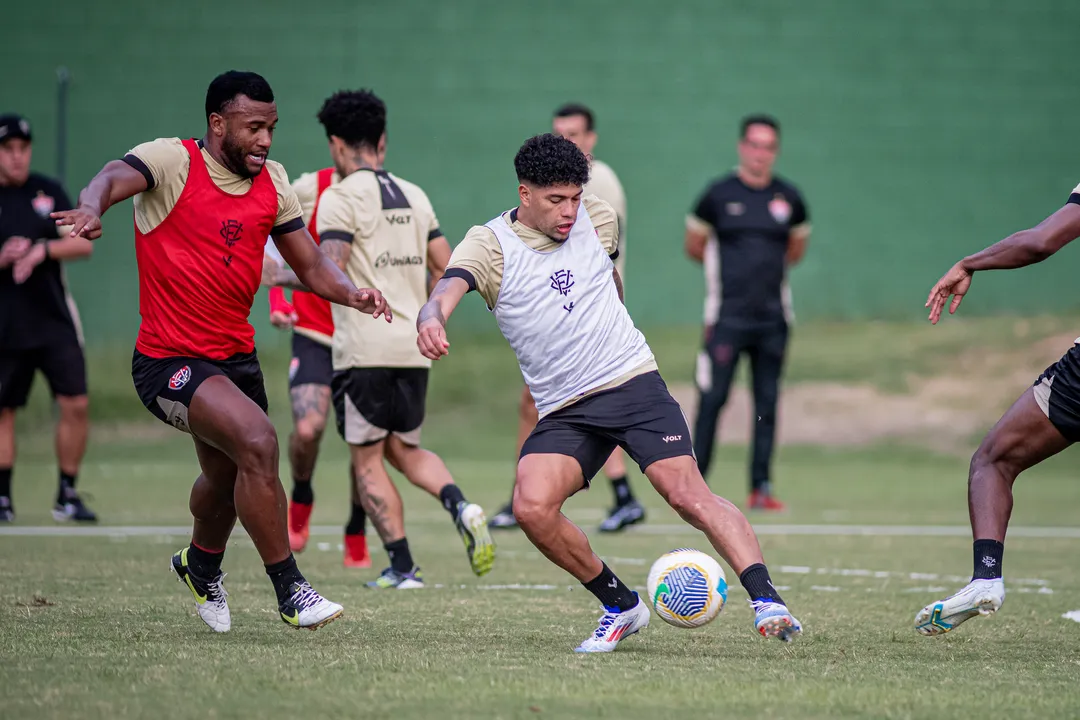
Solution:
(43, 204)
(780, 209)
(294, 366)
(180, 378)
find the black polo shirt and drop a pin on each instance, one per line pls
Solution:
(747, 269)
(35, 313)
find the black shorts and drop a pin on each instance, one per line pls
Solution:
(311, 363)
(62, 364)
(1058, 393)
(371, 403)
(166, 385)
(639, 416)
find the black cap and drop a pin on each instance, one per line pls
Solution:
(14, 126)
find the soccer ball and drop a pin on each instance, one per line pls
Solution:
(687, 588)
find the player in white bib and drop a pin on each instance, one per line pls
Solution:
(545, 271)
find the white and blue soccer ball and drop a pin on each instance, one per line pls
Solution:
(687, 588)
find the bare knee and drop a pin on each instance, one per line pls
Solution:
(995, 454)
(309, 430)
(533, 514)
(258, 452)
(74, 408)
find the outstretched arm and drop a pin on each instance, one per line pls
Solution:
(116, 182)
(431, 323)
(315, 271)
(1020, 249)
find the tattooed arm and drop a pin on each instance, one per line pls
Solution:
(431, 323)
(618, 284)
(317, 271)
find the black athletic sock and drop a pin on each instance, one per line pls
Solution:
(5, 482)
(204, 563)
(283, 575)
(610, 591)
(66, 487)
(400, 557)
(758, 584)
(302, 492)
(450, 496)
(621, 487)
(357, 524)
(987, 560)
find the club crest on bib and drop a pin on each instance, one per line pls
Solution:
(180, 378)
(43, 204)
(231, 231)
(780, 209)
(562, 281)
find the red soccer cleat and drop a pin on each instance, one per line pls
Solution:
(299, 529)
(763, 501)
(356, 552)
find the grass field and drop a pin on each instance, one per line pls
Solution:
(95, 626)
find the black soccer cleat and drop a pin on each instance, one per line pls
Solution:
(73, 508)
(7, 510)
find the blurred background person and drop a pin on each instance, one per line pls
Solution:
(39, 324)
(748, 228)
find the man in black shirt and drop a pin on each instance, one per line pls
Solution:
(747, 228)
(39, 326)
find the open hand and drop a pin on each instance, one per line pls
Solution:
(13, 249)
(956, 283)
(283, 321)
(84, 221)
(432, 340)
(372, 302)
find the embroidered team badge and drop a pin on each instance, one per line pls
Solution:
(180, 378)
(294, 366)
(780, 209)
(43, 204)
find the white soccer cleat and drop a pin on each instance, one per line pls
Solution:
(773, 619)
(979, 597)
(473, 528)
(307, 609)
(616, 626)
(210, 596)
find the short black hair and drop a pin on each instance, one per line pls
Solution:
(758, 119)
(546, 160)
(572, 109)
(356, 116)
(227, 86)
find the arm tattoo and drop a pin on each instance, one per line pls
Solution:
(432, 309)
(618, 284)
(338, 251)
(284, 277)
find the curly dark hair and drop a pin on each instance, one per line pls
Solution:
(546, 160)
(356, 116)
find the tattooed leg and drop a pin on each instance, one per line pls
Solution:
(377, 492)
(310, 406)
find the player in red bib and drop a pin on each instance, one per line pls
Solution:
(311, 371)
(203, 210)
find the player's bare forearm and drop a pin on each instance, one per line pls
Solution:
(796, 248)
(313, 270)
(69, 248)
(116, 182)
(1031, 246)
(618, 284)
(695, 245)
(444, 298)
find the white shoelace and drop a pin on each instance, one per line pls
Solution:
(218, 590)
(305, 596)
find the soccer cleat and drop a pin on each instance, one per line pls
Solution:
(765, 501)
(615, 626)
(307, 609)
(623, 516)
(356, 552)
(980, 597)
(504, 519)
(472, 527)
(391, 579)
(7, 510)
(209, 595)
(773, 619)
(299, 528)
(73, 508)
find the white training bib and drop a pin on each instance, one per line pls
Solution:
(560, 311)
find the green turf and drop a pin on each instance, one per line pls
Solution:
(97, 628)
